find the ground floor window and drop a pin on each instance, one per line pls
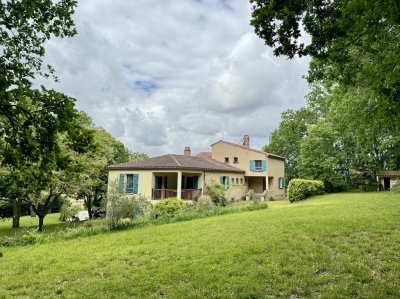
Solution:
(129, 183)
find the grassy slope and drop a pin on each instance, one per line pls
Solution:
(340, 245)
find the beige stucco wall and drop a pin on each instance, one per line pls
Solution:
(275, 167)
(221, 150)
(147, 178)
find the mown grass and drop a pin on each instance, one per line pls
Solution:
(340, 245)
(51, 224)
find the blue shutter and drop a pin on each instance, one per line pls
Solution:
(165, 182)
(135, 183)
(221, 179)
(121, 182)
(264, 165)
(251, 165)
(279, 183)
(156, 182)
(195, 182)
(227, 182)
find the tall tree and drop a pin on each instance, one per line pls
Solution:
(32, 119)
(93, 179)
(285, 140)
(354, 42)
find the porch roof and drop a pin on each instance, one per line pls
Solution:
(177, 162)
(392, 173)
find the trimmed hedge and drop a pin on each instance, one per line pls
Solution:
(299, 189)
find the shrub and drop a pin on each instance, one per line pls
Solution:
(118, 205)
(216, 191)
(396, 187)
(68, 211)
(167, 208)
(299, 189)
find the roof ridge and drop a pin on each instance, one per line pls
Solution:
(172, 156)
(249, 148)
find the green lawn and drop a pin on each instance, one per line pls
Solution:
(338, 245)
(51, 224)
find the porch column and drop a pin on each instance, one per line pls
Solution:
(266, 183)
(179, 187)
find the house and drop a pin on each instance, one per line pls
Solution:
(387, 179)
(185, 176)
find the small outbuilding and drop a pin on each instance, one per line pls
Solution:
(387, 179)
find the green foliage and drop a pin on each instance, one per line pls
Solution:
(395, 187)
(299, 189)
(118, 205)
(67, 211)
(285, 141)
(216, 191)
(354, 43)
(39, 126)
(167, 208)
(322, 156)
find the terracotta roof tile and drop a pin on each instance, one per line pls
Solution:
(204, 155)
(388, 173)
(177, 162)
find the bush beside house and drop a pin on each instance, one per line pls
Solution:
(299, 189)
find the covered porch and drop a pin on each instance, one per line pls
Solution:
(182, 185)
(258, 183)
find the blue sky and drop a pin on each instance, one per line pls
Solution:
(160, 75)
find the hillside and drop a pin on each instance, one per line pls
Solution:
(338, 245)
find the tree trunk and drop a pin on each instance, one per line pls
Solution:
(88, 203)
(16, 207)
(41, 219)
(33, 214)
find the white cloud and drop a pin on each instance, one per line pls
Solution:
(161, 75)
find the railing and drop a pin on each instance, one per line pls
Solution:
(187, 194)
(163, 193)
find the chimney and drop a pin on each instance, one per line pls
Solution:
(246, 141)
(186, 152)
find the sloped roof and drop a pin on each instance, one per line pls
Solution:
(204, 155)
(250, 149)
(388, 173)
(177, 162)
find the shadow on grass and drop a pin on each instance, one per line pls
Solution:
(48, 228)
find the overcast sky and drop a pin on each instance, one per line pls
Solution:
(160, 75)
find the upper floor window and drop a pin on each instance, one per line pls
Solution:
(226, 159)
(258, 165)
(235, 160)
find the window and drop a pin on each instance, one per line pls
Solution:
(130, 184)
(281, 183)
(235, 160)
(241, 181)
(225, 180)
(258, 165)
(226, 159)
(129, 181)
(237, 180)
